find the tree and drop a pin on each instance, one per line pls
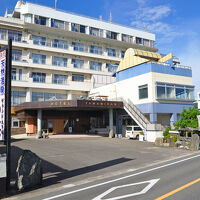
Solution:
(188, 118)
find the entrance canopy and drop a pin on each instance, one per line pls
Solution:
(67, 104)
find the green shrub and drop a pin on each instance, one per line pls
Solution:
(166, 132)
(174, 138)
(167, 136)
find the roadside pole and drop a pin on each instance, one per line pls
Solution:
(8, 111)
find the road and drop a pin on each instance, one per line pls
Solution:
(174, 180)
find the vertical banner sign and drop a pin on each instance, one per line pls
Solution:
(2, 93)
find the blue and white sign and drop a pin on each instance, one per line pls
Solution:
(2, 92)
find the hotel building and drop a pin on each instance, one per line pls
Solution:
(59, 59)
(59, 55)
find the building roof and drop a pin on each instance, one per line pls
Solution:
(134, 57)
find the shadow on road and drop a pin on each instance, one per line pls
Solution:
(52, 173)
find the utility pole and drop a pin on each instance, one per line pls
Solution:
(8, 111)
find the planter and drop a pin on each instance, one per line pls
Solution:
(141, 137)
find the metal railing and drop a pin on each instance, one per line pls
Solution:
(139, 117)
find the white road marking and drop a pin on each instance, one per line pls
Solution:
(131, 170)
(118, 179)
(68, 186)
(145, 190)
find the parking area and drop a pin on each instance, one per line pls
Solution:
(80, 160)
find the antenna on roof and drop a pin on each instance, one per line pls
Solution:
(55, 3)
(100, 17)
(110, 16)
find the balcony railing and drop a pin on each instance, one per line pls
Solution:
(39, 61)
(59, 63)
(60, 46)
(16, 57)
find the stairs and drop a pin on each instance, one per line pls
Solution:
(139, 118)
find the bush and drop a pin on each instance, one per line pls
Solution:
(141, 133)
(174, 138)
(167, 136)
(166, 132)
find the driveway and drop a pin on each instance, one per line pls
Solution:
(74, 161)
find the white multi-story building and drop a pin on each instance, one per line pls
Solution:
(60, 55)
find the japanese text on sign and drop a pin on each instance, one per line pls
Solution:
(2, 92)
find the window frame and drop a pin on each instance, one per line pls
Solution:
(142, 87)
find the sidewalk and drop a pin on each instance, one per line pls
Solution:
(52, 136)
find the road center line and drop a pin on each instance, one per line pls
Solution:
(118, 179)
(177, 190)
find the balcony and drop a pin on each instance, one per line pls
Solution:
(69, 85)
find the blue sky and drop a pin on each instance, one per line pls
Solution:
(176, 23)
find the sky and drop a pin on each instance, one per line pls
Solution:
(176, 23)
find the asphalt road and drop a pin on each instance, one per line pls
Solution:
(175, 180)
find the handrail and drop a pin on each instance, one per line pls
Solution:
(138, 116)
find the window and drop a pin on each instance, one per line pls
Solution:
(78, 63)
(16, 36)
(180, 93)
(39, 59)
(38, 40)
(60, 44)
(13, 74)
(82, 29)
(189, 93)
(78, 77)
(122, 54)
(15, 122)
(143, 91)
(137, 128)
(78, 46)
(59, 61)
(111, 35)
(138, 40)
(40, 20)
(146, 42)
(59, 79)
(127, 38)
(43, 96)
(78, 28)
(95, 66)
(20, 74)
(111, 67)
(96, 32)
(111, 52)
(17, 97)
(173, 91)
(2, 34)
(16, 55)
(28, 18)
(39, 77)
(170, 90)
(161, 91)
(96, 49)
(57, 24)
(79, 96)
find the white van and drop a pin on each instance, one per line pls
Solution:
(133, 132)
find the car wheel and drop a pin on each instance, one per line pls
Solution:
(137, 137)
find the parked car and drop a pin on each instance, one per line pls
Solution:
(133, 132)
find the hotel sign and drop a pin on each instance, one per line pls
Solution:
(86, 103)
(2, 93)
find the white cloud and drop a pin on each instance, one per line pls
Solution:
(151, 19)
(141, 2)
(152, 13)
